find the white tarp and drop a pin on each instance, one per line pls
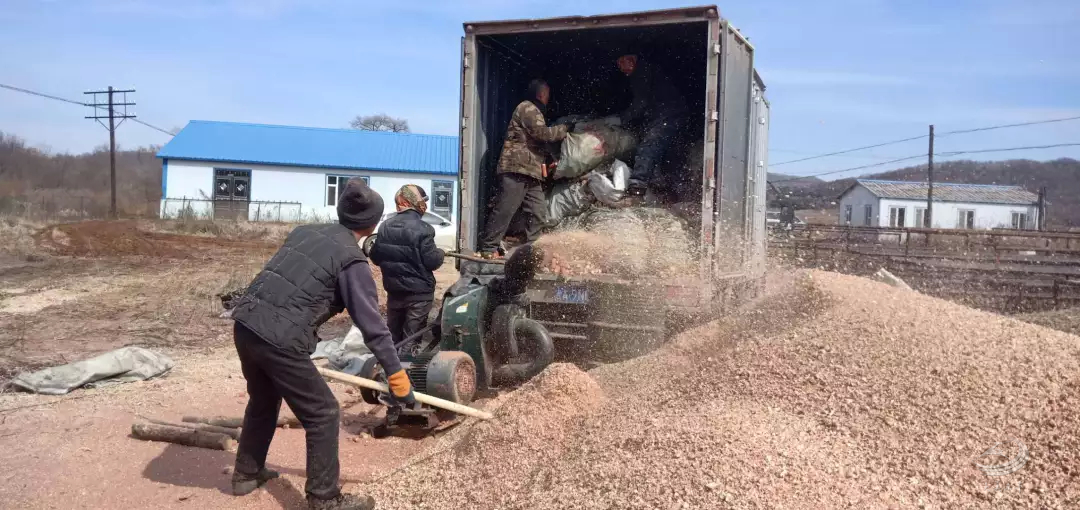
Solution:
(341, 351)
(124, 365)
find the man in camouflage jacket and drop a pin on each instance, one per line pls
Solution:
(522, 169)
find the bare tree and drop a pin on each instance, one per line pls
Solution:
(380, 122)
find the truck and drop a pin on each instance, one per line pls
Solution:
(725, 141)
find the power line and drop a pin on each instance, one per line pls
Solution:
(979, 151)
(794, 178)
(101, 107)
(1002, 126)
(941, 154)
(151, 126)
(31, 92)
(849, 150)
(855, 156)
(956, 132)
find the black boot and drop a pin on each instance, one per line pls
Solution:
(342, 502)
(244, 484)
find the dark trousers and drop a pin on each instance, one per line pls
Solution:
(406, 318)
(274, 374)
(650, 152)
(516, 191)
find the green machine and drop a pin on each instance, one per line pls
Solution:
(482, 339)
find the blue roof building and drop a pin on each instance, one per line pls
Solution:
(291, 173)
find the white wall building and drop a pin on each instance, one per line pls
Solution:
(286, 173)
(875, 203)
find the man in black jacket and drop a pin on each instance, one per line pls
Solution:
(658, 109)
(319, 271)
(405, 251)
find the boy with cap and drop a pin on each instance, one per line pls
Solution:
(318, 272)
(405, 251)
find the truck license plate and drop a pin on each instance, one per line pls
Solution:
(574, 295)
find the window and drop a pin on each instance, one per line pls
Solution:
(920, 218)
(896, 216)
(868, 211)
(1019, 220)
(335, 185)
(442, 198)
(230, 184)
(847, 215)
(965, 219)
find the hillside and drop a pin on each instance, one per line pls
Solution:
(1060, 176)
(37, 180)
(794, 181)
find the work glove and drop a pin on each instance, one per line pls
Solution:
(368, 243)
(401, 388)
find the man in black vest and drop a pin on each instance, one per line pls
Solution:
(318, 272)
(405, 251)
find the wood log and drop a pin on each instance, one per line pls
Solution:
(228, 431)
(182, 436)
(233, 423)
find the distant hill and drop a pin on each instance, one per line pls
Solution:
(793, 181)
(1060, 176)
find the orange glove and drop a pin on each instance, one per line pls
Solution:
(401, 388)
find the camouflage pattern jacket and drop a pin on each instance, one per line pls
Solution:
(523, 151)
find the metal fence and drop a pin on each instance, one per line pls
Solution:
(1002, 270)
(235, 210)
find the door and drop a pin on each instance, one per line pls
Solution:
(232, 193)
(736, 81)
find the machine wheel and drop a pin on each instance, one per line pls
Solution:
(451, 375)
(370, 370)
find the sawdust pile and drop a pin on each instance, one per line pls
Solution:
(626, 242)
(531, 426)
(835, 392)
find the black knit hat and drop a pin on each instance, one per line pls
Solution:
(359, 206)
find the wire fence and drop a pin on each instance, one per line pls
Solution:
(234, 210)
(65, 207)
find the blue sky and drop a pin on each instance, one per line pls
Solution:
(840, 73)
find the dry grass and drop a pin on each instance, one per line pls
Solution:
(268, 232)
(17, 239)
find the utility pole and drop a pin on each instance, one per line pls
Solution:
(111, 105)
(927, 223)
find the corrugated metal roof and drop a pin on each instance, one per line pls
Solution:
(951, 192)
(236, 142)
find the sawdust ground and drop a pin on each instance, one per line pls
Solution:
(835, 392)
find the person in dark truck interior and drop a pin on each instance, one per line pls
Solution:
(522, 169)
(657, 111)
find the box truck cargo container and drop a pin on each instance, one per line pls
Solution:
(724, 141)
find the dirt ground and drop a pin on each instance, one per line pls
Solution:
(831, 391)
(97, 286)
